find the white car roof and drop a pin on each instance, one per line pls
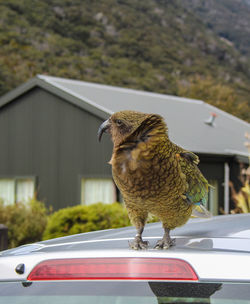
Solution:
(217, 248)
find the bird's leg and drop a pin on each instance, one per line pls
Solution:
(166, 241)
(138, 243)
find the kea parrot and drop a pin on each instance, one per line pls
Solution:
(154, 175)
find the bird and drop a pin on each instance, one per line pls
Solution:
(154, 175)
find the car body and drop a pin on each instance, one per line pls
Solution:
(210, 263)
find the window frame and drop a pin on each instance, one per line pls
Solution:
(93, 176)
(213, 196)
(15, 178)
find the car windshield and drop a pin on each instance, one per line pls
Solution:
(97, 292)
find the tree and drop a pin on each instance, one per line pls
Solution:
(214, 93)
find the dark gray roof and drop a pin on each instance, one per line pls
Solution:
(185, 117)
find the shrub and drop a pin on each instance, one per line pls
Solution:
(79, 219)
(25, 221)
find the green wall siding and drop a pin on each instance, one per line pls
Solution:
(55, 141)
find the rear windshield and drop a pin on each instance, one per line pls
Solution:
(96, 292)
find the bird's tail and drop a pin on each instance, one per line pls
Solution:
(201, 211)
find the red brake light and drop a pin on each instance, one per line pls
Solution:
(113, 269)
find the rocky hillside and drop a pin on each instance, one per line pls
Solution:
(228, 19)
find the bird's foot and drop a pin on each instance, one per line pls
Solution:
(165, 243)
(138, 244)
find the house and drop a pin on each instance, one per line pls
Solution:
(49, 146)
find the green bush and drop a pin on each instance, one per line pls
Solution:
(79, 219)
(25, 221)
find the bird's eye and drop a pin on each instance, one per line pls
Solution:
(118, 122)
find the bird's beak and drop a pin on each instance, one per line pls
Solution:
(103, 128)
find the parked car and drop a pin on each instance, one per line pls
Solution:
(210, 263)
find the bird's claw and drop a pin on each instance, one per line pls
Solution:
(138, 244)
(165, 244)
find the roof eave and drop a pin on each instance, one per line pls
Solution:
(38, 82)
(20, 90)
(70, 96)
(227, 156)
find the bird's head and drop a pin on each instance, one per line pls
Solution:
(137, 125)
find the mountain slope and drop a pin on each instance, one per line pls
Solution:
(153, 45)
(229, 19)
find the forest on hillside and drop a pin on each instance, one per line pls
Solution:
(154, 45)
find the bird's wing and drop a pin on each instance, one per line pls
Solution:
(197, 193)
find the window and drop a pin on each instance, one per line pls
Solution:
(16, 189)
(97, 190)
(213, 196)
(124, 292)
